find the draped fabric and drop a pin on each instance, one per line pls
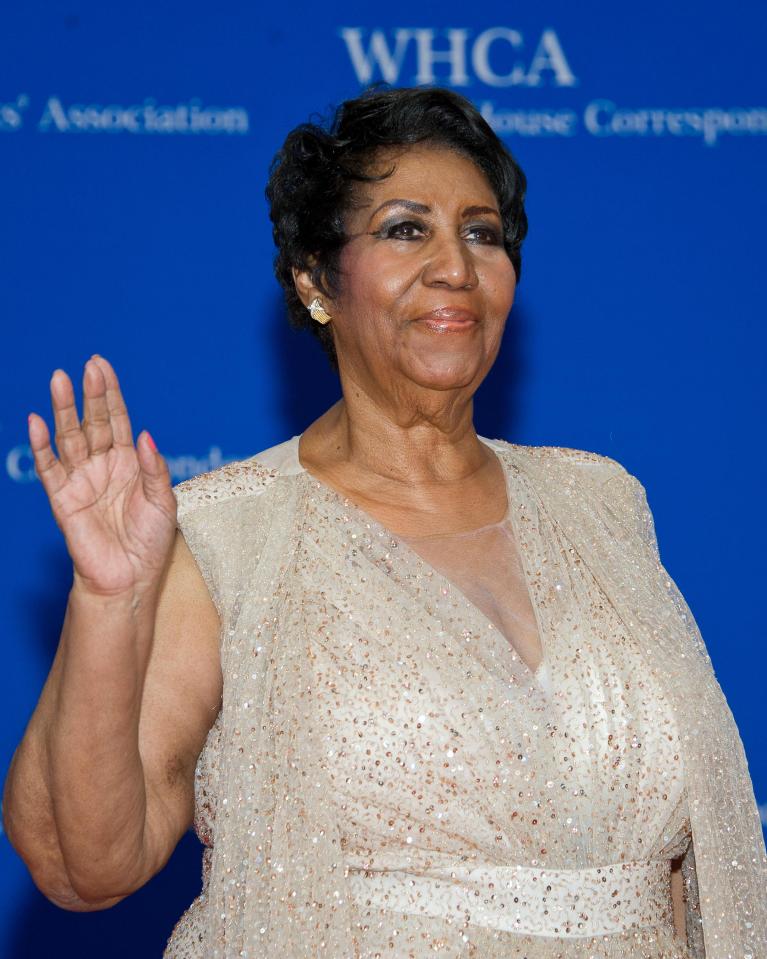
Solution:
(383, 753)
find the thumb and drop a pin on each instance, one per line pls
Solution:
(155, 475)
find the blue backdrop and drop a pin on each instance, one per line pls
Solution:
(134, 146)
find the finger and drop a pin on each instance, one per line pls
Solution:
(70, 440)
(155, 475)
(48, 469)
(96, 423)
(122, 433)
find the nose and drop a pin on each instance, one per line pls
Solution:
(450, 264)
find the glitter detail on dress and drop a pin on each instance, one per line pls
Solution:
(389, 777)
(566, 903)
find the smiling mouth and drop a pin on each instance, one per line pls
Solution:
(448, 320)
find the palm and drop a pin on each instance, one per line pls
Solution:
(112, 501)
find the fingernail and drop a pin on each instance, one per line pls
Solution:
(151, 441)
(95, 356)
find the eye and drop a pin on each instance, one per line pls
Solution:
(485, 234)
(404, 230)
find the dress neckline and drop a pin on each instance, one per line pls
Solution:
(292, 464)
(464, 532)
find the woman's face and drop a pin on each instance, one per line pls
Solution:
(426, 284)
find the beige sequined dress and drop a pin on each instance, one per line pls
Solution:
(396, 772)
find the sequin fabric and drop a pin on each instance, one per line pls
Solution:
(389, 776)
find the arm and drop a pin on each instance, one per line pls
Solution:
(101, 786)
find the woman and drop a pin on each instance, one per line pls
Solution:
(420, 691)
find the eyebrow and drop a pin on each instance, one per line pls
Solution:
(422, 208)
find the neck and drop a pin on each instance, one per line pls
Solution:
(432, 442)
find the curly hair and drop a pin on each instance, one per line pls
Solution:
(313, 175)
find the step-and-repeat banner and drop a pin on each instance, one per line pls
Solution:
(135, 141)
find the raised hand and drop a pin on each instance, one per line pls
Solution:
(112, 500)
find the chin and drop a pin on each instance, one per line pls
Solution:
(441, 373)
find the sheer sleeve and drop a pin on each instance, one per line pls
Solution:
(628, 496)
(214, 511)
(638, 518)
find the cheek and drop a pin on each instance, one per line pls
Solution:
(366, 308)
(375, 278)
(499, 281)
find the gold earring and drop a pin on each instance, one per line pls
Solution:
(317, 311)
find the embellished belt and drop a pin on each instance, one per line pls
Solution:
(566, 903)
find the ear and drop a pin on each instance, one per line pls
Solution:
(304, 286)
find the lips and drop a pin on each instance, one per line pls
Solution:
(448, 320)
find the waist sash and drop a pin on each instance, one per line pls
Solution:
(565, 903)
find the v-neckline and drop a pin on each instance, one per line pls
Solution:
(377, 526)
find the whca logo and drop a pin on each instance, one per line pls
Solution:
(497, 57)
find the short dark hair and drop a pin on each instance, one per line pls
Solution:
(312, 176)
